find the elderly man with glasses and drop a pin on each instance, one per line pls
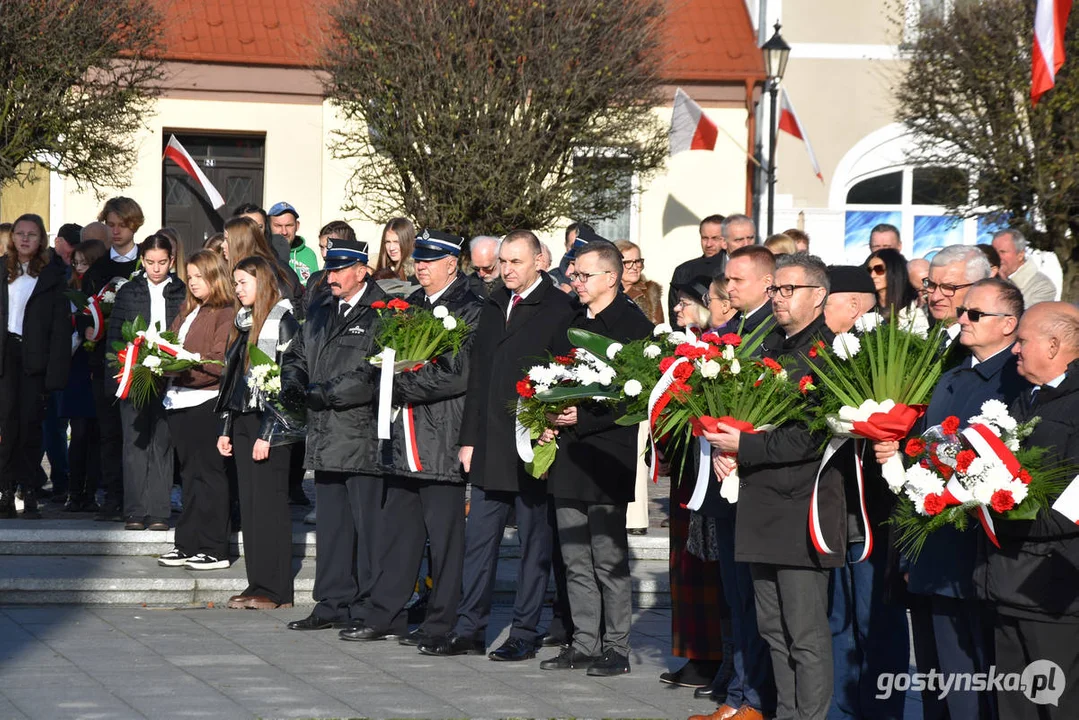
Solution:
(951, 628)
(952, 272)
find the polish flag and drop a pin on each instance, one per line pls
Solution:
(789, 123)
(1050, 19)
(175, 151)
(690, 127)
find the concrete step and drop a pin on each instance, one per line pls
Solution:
(86, 537)
(44, 579)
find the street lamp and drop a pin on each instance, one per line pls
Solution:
(776, 52)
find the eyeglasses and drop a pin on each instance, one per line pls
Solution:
(638, 263)
(976, 315)
(946, 289)
(585, 277)
(786, 290)
(486, 269)
(877, 269)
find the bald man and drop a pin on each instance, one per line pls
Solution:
(94, 231)
(1032, 579)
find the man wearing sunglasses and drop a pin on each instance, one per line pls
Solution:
(952, 272)
(952, 633)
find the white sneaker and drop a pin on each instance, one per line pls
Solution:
(173, 558)
(202, 561)
(309, 518)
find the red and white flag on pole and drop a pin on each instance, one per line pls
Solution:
(175, 151)
(690, 127)
(789, 123)
(1050, 19)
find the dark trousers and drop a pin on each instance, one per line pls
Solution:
(297, 452)
(596, 550)
(1020, 642)
(751, 682)
(267, 522)
(111, 444)
(413, 511)
(203, 526)
(483, 537)
(54, 439)
(84, 460)
(22, 408)
(347, 529)
(961, 633)
(869, 637)
(561, 617)
(149, 463)
(792, 616)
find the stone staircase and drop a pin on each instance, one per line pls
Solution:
(79, 561)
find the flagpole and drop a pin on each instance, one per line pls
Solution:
(773, 91)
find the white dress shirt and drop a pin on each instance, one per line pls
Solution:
(18, 294)
(157, 303)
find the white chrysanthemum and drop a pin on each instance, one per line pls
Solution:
(108, 297)
(678, 337)
(782, 375)
(606, 376)
(661, 329)
(547, 374)
(993, 409)
(440, 311)
(710, 369)
(151, 361)
(651, 351)
(273, 385)
(1012, 443)
(633, 388)
(1019, 490)
(735, 367)
(868, 322)
(846, 345)
(996, 477)
(450, 323)
(923, 481)
(613, 349)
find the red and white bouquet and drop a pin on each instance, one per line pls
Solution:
(98, 307)
(980, 470)
(144, 357)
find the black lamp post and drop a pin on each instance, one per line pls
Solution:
(776, 52)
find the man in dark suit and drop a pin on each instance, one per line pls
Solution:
(518, 326)
(712, 261)
(1031, 579)
(592, 481)
(952, 272)
(951, 629)
(750, 272)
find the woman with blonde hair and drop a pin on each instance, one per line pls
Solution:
(781, 244)
(395, 253)
(244, 239)
(647, 294)
(203, 327)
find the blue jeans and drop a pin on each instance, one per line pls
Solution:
(752, 682)
(869, 637)
(54, 442)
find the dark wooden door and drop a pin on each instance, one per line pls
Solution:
(233, 163)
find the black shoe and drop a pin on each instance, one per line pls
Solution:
(452, 644)
(313, 622)
(637, 531)
(296, 496)
(362, 632)
(569, 658)
(552, 640)
(708, 692)
(610, 664)
(7, 505)
(694, 674)
(29, 506)
(514, 650)
(415, 638)
(110, 513)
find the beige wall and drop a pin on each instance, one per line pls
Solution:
(839, 21)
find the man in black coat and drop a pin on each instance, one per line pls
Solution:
(711, 262)
(1032, 579)
(778, 470)
(517, 328)
(424, 486)
(327, 369)
(592, 481)
(750, 272)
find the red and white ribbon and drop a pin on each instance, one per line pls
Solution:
(131, 359)
(657, 401)
(97, 319)
(412, 450)
(816, 529)
(986, 443)
(385, 393)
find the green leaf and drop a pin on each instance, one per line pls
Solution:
(257, 356)
(630, 420)
(582, 392)
(592, 342)
(543, 458)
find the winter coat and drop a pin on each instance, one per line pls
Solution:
(46, 326)
(947, 560)
(132, 301)
(318, 291)
(436, 396)
(208, 336)
(329, 364)
(234, 396)
(688, 270)
(502, 354)
(1035, 572)
(597, 459)
(648, 296)
(78, 397)
(777, 471)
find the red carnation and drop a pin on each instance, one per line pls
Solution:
(680, 389)
(397, 304)
(711, 337)
(950, 426)
(731, 339)
(772, 365)
(683, 371)
(1002, 501)
(964, 459)
(564, 360)
(525, 389)
(813, 351)
(933, 504)
(378, 304)
(915, 447)
(806, 384)
(665, 363)
(1024, 477)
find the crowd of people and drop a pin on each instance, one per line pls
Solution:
(769, 625)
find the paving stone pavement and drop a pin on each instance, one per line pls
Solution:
(113, 663)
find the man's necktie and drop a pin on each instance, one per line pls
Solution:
(513, 304)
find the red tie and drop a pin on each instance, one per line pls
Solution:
(516, 299)
(513, 303)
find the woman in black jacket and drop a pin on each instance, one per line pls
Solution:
(156, 297)
(35, 355)
(265, 319)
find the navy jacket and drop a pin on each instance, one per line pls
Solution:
(946, 564)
